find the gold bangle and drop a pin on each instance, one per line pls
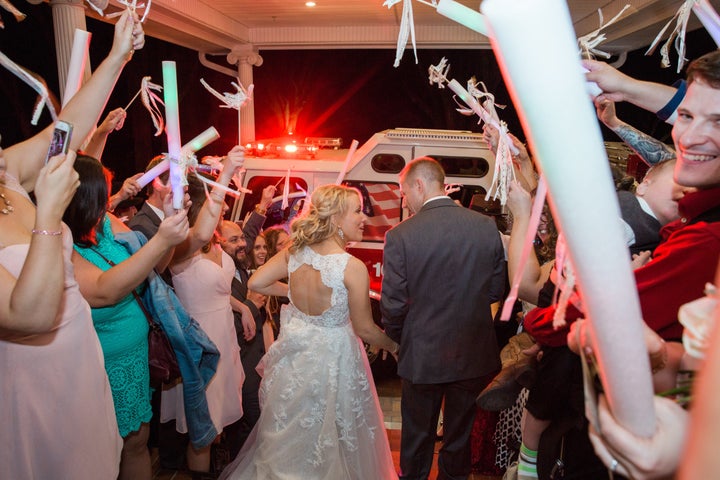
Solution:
(260, 210)
(51, 233)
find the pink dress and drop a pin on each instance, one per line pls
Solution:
(56, 409)
(203, 288)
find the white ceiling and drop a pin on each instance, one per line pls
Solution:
(218, 26)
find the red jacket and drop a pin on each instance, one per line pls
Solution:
(681, 266)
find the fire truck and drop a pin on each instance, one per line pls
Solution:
(372, 169)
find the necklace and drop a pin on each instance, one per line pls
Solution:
(8, 209)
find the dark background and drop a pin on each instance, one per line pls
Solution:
(336, 93)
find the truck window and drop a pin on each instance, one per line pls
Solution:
(476, 167)
(275, 214)
(387, 163)
(382, 204)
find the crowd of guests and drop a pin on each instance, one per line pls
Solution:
(265, 321)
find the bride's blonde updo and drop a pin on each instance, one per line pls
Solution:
(316, 224)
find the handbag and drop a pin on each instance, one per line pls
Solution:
(162, 360)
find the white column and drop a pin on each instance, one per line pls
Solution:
(67, 16)
(246, 57)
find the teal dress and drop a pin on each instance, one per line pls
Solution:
(123, 331)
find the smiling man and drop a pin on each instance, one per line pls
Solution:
(687, 256)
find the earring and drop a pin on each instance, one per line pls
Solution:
(340, 233)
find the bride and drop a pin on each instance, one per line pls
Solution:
(320, 416)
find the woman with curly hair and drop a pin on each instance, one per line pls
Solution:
(320, 417)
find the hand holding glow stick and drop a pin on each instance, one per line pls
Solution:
(197, 143)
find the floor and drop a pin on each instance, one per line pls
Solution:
(389, 393)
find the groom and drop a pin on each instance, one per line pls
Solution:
(443, 267)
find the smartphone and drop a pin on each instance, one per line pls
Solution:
(60, 139)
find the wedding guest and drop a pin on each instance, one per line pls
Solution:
(54, 380)
(108, 276)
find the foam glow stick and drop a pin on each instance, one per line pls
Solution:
(470, 101)
(568, 144)
(172, 130)
(462, 15)
(197, 143)
(709, 18)
(78, 60)
(348, 159)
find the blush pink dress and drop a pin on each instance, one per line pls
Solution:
(203, 288)
(56, 409)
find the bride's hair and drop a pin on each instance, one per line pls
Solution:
(316, 224)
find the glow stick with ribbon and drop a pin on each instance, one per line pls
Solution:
(197, 143)
(78, 62)
(589, 43)
(172, 130)
(558, 137)
(407, 29)
(709, 18)
(348, 159)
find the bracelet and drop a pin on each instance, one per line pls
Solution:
(217, 196)
(260, 210)
(52, 233)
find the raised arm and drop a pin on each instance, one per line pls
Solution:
(534, 275)
(83, 111)
(618, 87)
(206, 222)
(114, 121)
(29, 302)
(102, 288)
(650, 149)
(266, 280)
(357, 283)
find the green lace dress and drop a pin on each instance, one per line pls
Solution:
(123, 331)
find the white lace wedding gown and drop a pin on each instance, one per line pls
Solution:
(320, 416)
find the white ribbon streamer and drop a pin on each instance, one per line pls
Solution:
(37, 84)
(682, 16)
(589, 42)
(407, 29)
(151, 100)
(231, 100)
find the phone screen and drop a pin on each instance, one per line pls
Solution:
(60, 141)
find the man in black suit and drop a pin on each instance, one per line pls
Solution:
(443, 267)
(147, 219)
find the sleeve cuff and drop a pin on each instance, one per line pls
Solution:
(669, 112)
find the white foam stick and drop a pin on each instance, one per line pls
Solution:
(348, 159)
(78, 62)
(197, 143)
(463, 15)
(709, 18)
(567, 141)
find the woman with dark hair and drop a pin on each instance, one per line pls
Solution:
(202, 277)
(118, 318)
